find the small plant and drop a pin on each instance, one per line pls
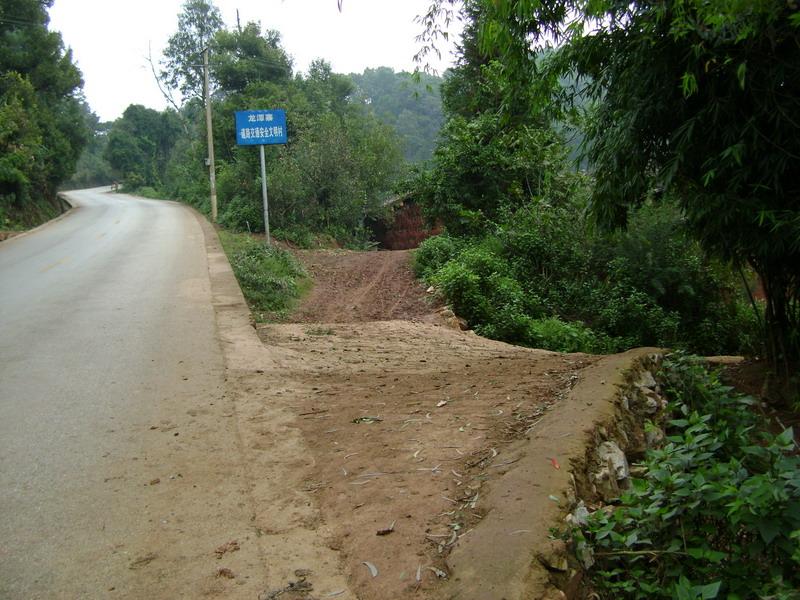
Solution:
(717, 514)
(272, 280)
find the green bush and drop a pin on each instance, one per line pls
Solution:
(648, 286)
(239, 214)
(300, 236)
(717, 514)
(433, 253)
(271, 278)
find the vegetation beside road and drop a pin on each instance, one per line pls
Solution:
(346, 134)
(543, 277)
(271, 278)
(716, 513)
(42, 114)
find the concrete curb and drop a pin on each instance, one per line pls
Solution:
(501, 557)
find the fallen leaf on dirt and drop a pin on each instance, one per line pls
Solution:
(439, 573)
(372, 568)
(386, 531)
(441, 403)
(225, 572)
(143, 561)
(336, 593)
(231, 546)
(359, 420)
(419, 573)
(155, 481)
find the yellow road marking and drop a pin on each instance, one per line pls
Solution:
(53, 265)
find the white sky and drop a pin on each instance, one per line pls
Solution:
(109, 39)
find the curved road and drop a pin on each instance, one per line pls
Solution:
(120, 472)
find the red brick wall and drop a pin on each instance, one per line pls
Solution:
(408, 229)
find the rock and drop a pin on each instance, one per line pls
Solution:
(610, 454)
(585, 554)
(646, 380)
(554, 558)
(456, 323)
(431, 290)
(447, 313)
(579, 515)
(605, 484)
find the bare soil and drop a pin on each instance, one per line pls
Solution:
(356, 287)
(409, 422)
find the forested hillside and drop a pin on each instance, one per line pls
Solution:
(43, 118)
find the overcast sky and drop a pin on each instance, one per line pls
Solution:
(110, 38)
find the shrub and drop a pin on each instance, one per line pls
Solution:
(434, 252)
(300, 236)
(271, 278)
(239, 214)
(651, 285)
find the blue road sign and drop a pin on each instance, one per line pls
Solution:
(259, 127)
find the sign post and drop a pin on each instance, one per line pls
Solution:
(260, 128)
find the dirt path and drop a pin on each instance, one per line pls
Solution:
(353, 287)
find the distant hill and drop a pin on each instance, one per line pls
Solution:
(413, 108)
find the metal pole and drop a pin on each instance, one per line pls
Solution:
(264, 191)
(212, 176)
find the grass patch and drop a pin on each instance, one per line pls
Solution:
(272, 280)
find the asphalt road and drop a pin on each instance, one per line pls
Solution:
(119, 470)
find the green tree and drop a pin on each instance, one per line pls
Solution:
(247, 56)
(139, 144)
(489, 161)
(92, 169)
(198, 23)
(697, 97)
(42, 130)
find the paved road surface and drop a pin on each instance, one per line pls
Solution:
(117, 461)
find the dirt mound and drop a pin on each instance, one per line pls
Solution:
(354, 287)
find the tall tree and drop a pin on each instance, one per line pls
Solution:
(696, 98)
(198, 23)
(42, 129)
(245, 56)
(139, 144)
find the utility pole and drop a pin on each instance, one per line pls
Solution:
(212, 176)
